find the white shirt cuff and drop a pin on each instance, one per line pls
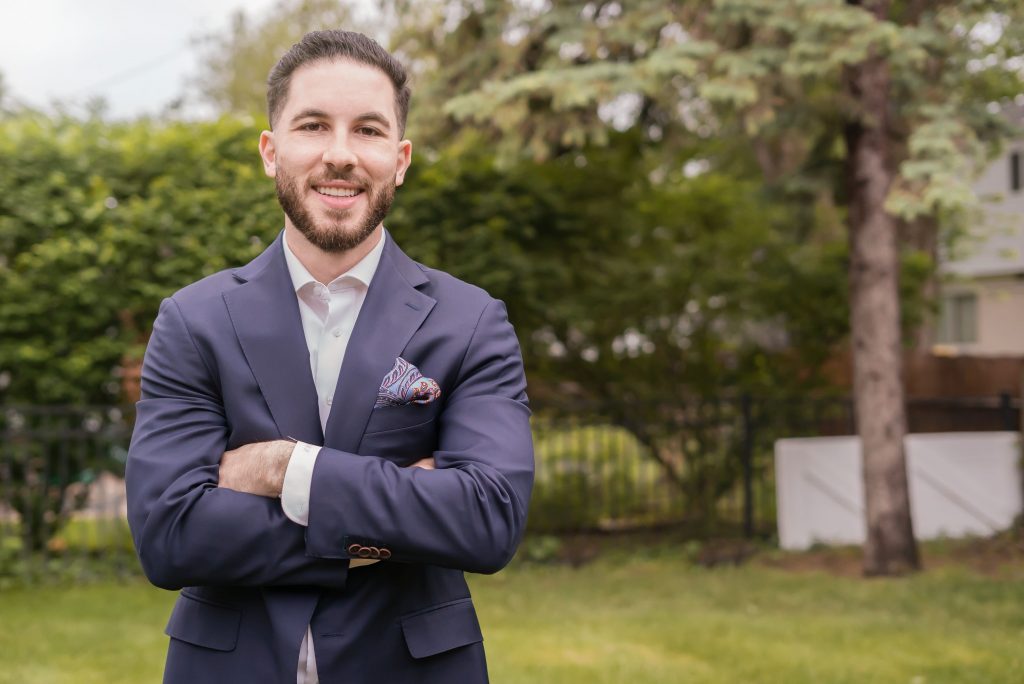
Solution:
(298, 480)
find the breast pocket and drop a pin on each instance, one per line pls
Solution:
(403, 434)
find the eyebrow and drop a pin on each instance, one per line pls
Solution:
(374, 116)
(309, 114)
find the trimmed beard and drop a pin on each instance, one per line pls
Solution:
(333, 238)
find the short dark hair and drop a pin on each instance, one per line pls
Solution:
(318, 46)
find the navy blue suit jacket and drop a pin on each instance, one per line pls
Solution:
(228, 365)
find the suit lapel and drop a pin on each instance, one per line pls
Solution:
(392, 312)
(265, 313)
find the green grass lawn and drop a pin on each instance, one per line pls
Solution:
(646, 615)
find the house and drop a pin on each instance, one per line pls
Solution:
(982, 300)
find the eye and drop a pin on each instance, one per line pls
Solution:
(312, 126)
(368, 130)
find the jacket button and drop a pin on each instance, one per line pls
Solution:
(364, 552)
(384, 554)
(374, 552)
(353, 549)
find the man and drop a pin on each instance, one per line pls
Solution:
(330, 435)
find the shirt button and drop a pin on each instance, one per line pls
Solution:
(329, 400)
(337, 332)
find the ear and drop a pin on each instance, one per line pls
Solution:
(268, 153)
(404, 159)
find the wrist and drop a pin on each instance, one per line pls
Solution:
(278, 456)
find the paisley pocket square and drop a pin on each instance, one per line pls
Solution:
(404, 384)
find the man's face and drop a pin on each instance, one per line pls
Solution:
(335, 154)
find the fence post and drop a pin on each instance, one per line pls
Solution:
(747, 458)
(1006, 411)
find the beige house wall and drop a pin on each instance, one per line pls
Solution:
(995, 245)
(989, 263)
(1000, 316)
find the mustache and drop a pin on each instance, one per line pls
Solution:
(339, 176)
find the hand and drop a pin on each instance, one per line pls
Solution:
(256, 468)
(425, 463)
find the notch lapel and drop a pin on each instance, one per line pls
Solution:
(265, 314)
(392, 312)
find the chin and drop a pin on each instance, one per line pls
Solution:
(339, 239)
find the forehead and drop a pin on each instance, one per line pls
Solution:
(340, 87)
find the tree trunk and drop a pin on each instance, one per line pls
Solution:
(875, 322)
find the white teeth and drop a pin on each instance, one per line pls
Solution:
(338, 192)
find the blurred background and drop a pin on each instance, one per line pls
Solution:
(747, 247)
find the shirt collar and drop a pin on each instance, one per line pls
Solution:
(363, 270)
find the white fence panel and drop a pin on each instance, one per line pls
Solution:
(961, 483)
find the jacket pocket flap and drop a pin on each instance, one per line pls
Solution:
(441, 628)
(204, 624)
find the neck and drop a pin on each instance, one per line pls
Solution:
(326, 266)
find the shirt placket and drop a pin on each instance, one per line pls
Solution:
(332, 342)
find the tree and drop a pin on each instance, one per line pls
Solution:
(235, 65)
(879, 107)
(874, 313)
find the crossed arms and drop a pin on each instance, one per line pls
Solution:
(259, 468)
(468, 514)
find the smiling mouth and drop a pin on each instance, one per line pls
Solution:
(337, 192)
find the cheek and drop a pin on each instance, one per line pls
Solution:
(377, 159)
(383, 168)
(300, 157)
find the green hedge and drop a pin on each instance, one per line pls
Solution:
(99, 222)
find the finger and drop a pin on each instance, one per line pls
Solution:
(425, 463)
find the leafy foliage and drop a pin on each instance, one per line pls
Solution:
(621, 285)
(235, 64)
(99, 222)
(616, 279)
(547, 80)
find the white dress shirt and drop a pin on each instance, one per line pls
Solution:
(328, 314)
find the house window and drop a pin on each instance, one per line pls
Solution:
(958, 323)
(1015, 179)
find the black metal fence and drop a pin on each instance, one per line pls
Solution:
(62, 503)
(705, 466)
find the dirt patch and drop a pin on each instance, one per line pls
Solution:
(998, 556)
(841, 561)
(992, 556)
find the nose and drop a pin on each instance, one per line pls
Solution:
(339, 153)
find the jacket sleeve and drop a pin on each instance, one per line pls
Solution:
(469, 513)
(186, 529)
